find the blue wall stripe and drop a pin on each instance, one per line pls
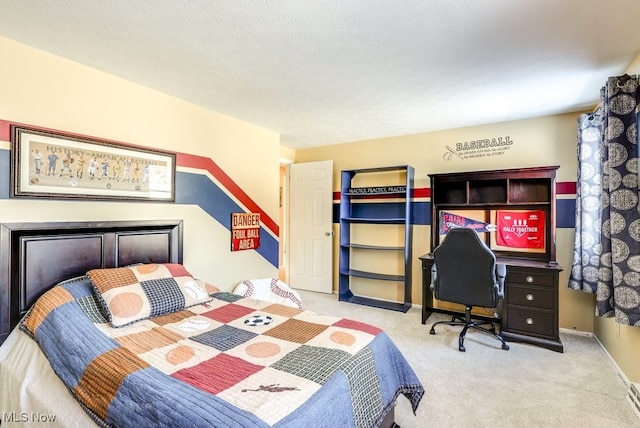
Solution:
(198, 189)
(5, 178)
(421, 211)
(565, 212)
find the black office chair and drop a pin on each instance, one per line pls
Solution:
(465, 271)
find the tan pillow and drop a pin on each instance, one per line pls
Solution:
(133, 293)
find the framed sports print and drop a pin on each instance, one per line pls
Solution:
(50, 164)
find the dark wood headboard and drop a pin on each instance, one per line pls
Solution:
(36, 256)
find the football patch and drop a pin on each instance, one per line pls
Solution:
(258, 320)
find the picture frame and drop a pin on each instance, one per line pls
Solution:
(57, 165)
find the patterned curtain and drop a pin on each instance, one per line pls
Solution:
(606, 258)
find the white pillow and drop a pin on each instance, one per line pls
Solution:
(270, 290)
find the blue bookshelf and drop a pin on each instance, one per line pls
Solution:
(364, 205)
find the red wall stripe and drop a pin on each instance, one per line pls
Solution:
(566, 188)
(201, 162)
(562, 188)
(422, 192)
(182, 159)
(5, 130)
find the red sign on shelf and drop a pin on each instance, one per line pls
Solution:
(245, 231)
(521, 229)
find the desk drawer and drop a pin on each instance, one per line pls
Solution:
(531, 321)
(530, 277)
(537, 297)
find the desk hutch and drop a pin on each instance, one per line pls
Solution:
(530, 308)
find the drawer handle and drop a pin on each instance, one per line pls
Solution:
(529, 321)
(529, 297)
(529, 278)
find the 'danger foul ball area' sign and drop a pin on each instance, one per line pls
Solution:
(245, 231)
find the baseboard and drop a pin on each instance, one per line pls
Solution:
(413, 305)
(577, 332)
(633, 394)
(615, 365)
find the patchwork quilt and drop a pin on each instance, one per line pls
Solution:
(229, 362)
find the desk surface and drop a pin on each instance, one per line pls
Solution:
(510, 261)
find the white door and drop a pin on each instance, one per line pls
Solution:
(311, 226)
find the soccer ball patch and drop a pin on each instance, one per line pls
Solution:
(258, 320)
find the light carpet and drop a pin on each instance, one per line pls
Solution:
(485, 386)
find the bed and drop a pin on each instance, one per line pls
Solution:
(193, 357)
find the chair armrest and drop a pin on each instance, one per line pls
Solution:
(434, 277)
(501, 274)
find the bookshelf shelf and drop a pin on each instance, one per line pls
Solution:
(355, 212)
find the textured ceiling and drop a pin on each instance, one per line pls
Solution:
(331, 71)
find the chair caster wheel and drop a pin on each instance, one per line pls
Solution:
(505, 346)
(432, 331)
(461, 349)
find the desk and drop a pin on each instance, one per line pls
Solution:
(530, 308)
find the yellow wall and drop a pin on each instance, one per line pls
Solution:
(44, 90)
(536, 142)
(542, 141)
(622, 342)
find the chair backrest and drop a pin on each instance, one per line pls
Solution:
(465, 269)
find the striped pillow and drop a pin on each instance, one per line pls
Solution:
(133, 293)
